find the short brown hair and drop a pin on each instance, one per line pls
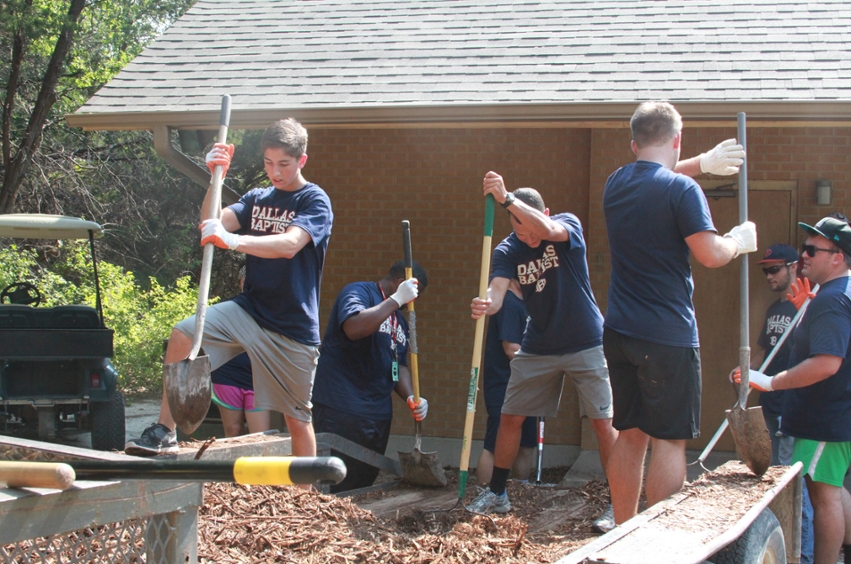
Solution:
(286, 134)
(654, 124)
(531, 198)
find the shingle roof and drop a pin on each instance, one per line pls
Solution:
(343, 56)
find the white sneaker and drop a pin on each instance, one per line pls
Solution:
(487, 502)
(605, 522)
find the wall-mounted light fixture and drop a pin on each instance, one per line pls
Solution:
(824, 192)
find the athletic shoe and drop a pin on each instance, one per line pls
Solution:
(605, 522)
(156, 439)
(487, 502)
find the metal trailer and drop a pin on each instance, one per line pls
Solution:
(157, 521)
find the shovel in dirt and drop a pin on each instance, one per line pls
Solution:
(187, 382)
(418, 467)
(747, 424)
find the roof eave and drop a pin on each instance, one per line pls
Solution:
(601, 114)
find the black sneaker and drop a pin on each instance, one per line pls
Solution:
(156, 439)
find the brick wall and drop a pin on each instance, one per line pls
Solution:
(433, 177)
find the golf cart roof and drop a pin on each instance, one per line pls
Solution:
(45, 226)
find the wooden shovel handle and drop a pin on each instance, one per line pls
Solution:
(412, 316)
(54, 475)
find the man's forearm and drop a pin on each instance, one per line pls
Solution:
(811, 371)
(688, 167)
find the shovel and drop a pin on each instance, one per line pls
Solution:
(418, 467)
(721, 428)
(475, 367)
(187, 383)
(747, 424)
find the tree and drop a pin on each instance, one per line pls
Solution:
(58, 54)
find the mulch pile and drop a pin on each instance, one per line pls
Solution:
(718, 499)
(266, 524)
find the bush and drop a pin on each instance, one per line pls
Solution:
(141, 318)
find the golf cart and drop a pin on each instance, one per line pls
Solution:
(55, 368)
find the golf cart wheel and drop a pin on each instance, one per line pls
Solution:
(108, 430)
(762, 543)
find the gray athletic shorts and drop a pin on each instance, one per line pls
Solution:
(282, 369)
(536, 383)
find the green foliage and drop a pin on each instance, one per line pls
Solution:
(141, 318)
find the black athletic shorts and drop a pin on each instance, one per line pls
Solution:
(528, 433)
(655, 388)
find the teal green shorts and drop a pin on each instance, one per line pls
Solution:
(824, 462)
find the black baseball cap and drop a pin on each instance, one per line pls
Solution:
(779, 253)
(832, 229)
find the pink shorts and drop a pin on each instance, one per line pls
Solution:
(231, 397)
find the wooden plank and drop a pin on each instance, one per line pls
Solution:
(36, 513)
(280, 444)
(422, 499)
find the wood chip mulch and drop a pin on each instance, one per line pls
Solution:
(718, 499)
(266, 524)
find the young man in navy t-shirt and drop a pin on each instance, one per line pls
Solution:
(656, 218)
(817, 397)
(363, 362)
(284, 231)
(546, 255)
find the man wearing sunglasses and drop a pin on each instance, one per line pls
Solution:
(818, 397)
(780, 266)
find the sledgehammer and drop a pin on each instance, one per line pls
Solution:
(255, 471)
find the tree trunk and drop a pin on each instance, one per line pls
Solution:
(17, 166)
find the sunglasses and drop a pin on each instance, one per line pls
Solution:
(774, 269)
(811, 250)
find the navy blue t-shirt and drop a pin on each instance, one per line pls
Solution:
(508, 324)
(649, 211)
(235, 372)
(356, 376)
(778, 316)
(820, 412)
(563, 314)
(282, 294)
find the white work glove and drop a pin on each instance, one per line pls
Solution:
(756, 379)
(212, 231)
(418, 410)
(220, 155)
(745, 237)
(406, 292)
(724, 160)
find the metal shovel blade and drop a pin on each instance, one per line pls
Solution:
(422, 468)
(188, 389)
(751, 436)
